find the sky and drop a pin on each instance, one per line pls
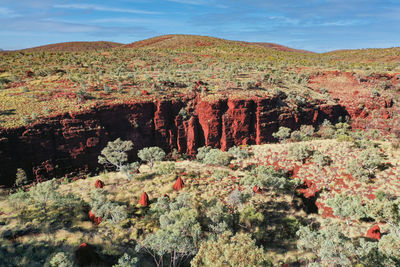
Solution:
(315, 25)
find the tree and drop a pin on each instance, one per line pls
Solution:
(115, 153)
(300, 152)
(329, 245)
(151, 155)
(61, 259)
(282, 134)
(107, 210)
(21, 178)
(367, 164)
(178, 234)
(231, 250)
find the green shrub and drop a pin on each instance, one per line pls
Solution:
(238, 153)
(21, 178)
(300, 152)
(282, 134)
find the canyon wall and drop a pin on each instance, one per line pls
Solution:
(71, 143)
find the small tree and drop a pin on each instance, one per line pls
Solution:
(115, 153)
(178, 234)
(282, 134)
(321, 159)
(127, 261)
(108, 210)
(151, 155)
(21, 178)
(216, 157)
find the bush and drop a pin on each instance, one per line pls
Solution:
(367, 164)
(268, 177)
(321, 159)
(106, 209)
(238, 153)
(282, 134)
(231, 250)
(151, 155)
(127, 261)
(21, 178)
(61, 259)
(165, 168)
(300, 152)
(213, 156)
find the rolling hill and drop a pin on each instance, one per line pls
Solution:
(74, 46)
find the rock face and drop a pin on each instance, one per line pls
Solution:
(71, 143)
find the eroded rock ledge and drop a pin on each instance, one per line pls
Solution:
(72, 142)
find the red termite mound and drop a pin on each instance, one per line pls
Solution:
(99, 184)
(374, 232)
(179, 184)
(94, 219)
(144, 200)
(71, 143)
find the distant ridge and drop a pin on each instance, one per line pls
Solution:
(181, 40)
(74, 46)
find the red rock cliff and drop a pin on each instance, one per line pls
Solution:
(72, 142)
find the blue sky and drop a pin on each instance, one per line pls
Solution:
(316, 25)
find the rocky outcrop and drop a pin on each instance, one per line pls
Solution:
(71, 143)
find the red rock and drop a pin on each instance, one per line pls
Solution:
(73, 141)
(144, 92)
(99, 184)
(374, 232)
(144, 200)
(179, 184)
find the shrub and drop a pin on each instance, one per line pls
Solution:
(282, 134)
(127, 261)
(346, 206)
(306, 131)
(151, 155)
(202, 152)
(21, 178)
(367, 164)
(321, 159)
(61, 259)
(165, 168)
(213, 156)
(300, 152)
(105, 209)
(238, 153)
(231, 250)
(268, 177)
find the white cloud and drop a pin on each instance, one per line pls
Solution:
(108, 9)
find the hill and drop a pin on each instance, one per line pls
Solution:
(74, 46)
(181, 40)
